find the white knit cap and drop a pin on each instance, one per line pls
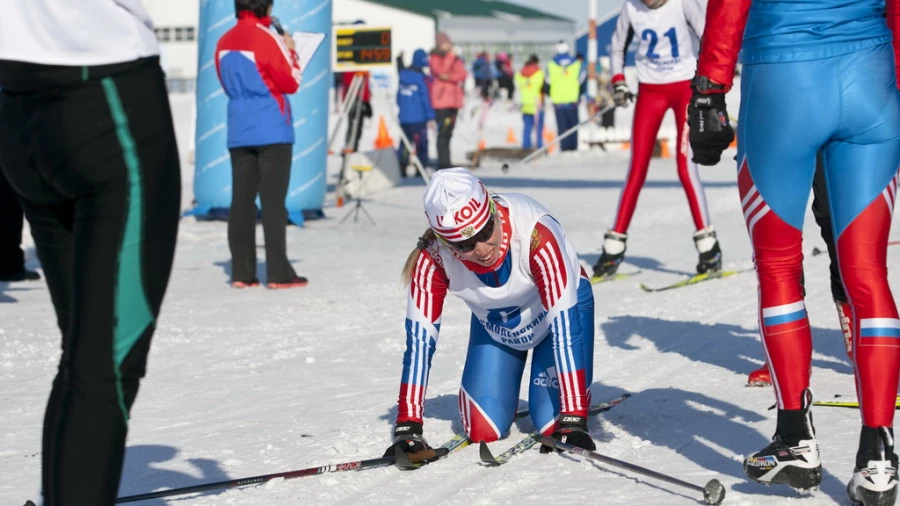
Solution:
(562, 48)
(457, 204)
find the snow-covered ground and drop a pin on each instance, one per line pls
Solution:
(249, 382)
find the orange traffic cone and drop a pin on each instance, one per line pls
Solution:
(384, 139)
(664, 148)
(511, 137)
(482, 145)
(549, 137)
(626, 145)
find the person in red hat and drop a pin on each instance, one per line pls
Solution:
(508, 259)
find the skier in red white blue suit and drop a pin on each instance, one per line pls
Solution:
(508, 259)
(818, 75)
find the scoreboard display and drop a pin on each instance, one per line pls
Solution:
(362, 47)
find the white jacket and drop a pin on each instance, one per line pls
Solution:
(75, 32)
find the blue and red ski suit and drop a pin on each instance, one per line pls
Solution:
(818, 75)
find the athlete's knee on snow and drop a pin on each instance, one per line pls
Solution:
(485, 418)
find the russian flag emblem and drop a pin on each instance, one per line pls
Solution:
(785, 318)
(879, 327)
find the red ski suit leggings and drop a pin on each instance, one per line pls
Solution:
(652, 103)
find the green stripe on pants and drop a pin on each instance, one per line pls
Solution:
(133, 314)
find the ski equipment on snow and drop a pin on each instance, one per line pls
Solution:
(612, 277)
(530, 440)
(874, 481)
(713, 491)
(845, 401)
(254, 480)
(461, 440)
(792, 458)
(693, 280)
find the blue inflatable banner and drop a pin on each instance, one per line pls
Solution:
(309, 106)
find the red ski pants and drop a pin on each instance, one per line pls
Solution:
(652, 103)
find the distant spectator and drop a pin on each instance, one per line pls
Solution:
(448, 73)
(564, 77)
(582, 79)
(258, 69)
(530, 81)
(338, 90)
(605, 93)
(416, 113)
(505, 74)
(364, 105)
(483, 74)
(12, 258)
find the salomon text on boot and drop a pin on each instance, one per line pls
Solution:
(792, 458)
(613, 254)
(708, 248)
(874, 481)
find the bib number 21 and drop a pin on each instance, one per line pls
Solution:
(650, 35)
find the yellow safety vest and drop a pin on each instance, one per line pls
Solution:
(530, 91)
(565, 82)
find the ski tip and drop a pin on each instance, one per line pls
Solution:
(612, 277)
(713, 492)
(487, 457)
(646, 288)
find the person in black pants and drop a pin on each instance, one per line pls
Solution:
(257, 71)
(264, 170)
(101, 190)
(12, 258)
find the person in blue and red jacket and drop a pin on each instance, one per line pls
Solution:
(818, 77)
(414, 104)
(258, 69)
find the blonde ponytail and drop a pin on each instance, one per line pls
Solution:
(410, 265)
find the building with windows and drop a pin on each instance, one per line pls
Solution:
(473, 25)
(175, 23)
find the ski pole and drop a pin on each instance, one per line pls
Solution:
(562, 136)
(222, 485)
(713, 492)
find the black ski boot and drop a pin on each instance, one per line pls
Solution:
(613, 254)
(874, 481)
(792, 458)
(708, 248)
(23, 275)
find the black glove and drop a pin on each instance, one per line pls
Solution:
(710, 130)
(622, 94)
(572, 430)
(408, 436)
